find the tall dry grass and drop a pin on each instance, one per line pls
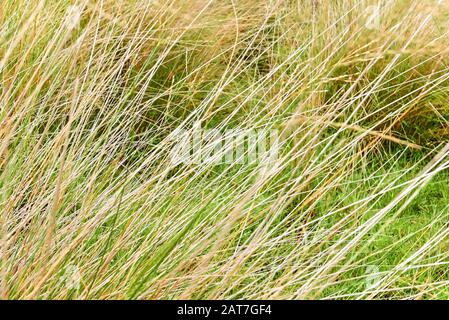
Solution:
(92, 94)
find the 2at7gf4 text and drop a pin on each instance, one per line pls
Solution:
(245, 309)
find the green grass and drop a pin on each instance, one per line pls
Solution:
(355, 206)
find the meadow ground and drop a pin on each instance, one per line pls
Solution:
(133, 158)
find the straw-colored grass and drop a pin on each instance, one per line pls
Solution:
(94, 93)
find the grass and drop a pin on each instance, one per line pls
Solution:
(94, 96)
